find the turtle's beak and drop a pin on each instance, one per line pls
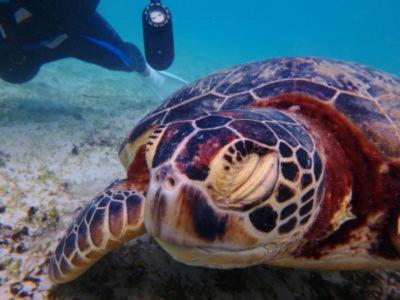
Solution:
(181, 212)
(184, 222)
(161, 202)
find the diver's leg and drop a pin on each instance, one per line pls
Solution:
(97, 43)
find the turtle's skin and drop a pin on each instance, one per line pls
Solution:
(292, 162)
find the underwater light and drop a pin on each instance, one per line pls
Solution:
(158, 35)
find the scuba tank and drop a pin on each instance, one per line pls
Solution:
(158, 35)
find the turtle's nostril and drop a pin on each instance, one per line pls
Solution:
(170, 183)
(165, 176)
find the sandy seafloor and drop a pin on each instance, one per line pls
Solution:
(59, 136)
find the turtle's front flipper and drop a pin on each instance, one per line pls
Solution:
(113, 217)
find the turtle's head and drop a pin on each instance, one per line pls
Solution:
(231, 189)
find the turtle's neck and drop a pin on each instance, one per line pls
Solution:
(355, 171)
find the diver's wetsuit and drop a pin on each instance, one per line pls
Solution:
(34, 32)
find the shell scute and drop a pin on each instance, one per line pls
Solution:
(272, 90)
(392, 107)
(238, 101)
(372, 121)
(246, 115)
(206, 103)
(239, 80)
(359, 109)
(212, 121)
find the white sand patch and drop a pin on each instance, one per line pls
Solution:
(59, 137)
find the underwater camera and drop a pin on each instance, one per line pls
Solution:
(158, 35)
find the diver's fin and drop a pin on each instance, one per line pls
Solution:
(113, 217)
(162, 83)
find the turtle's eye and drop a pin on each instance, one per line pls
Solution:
(242, 175)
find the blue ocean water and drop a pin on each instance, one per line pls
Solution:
(59, 136)
(213, 34)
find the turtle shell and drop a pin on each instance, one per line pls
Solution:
(367, 98)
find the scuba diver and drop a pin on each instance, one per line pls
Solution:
(36, 32)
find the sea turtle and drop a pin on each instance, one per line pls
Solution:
(292, 162)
